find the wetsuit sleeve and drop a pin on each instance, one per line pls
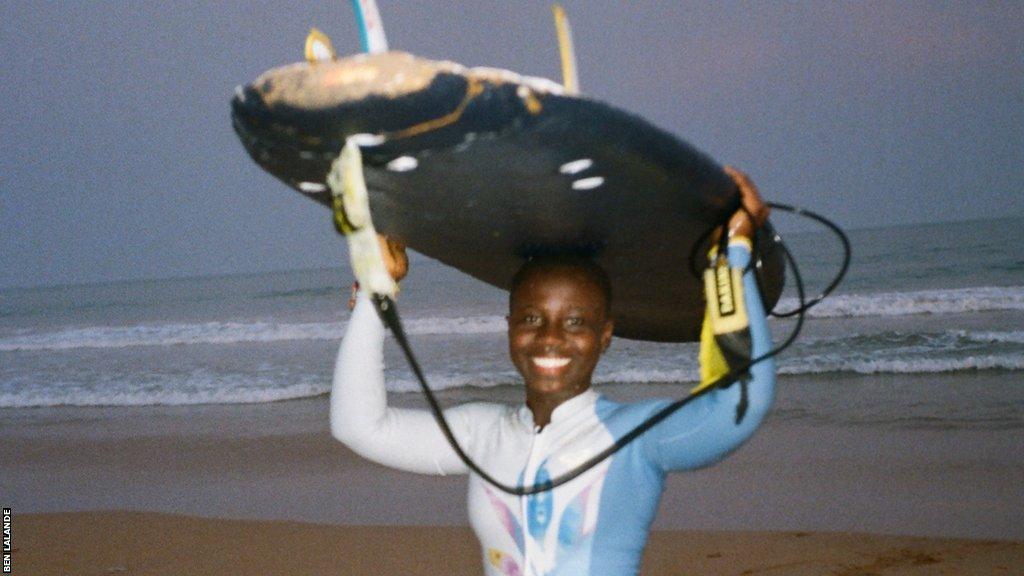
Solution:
(406, 439)
(706, 430)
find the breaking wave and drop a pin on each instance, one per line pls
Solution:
(841, 306)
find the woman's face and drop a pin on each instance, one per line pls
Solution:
(558, 327)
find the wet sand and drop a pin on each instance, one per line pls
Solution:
(248, 489)
(159, 544)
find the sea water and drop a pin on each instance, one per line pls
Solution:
(929, 323)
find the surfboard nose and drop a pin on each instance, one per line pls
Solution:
(294, 120)
(298, 157)
(367, 93)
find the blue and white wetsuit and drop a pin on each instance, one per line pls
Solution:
(596, 524)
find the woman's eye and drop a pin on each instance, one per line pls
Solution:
(574, 321)
(531, 319)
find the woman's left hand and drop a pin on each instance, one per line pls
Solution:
(754, 213)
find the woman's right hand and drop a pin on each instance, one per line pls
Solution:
(396, 261)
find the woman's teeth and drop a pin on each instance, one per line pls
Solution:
(549, 363)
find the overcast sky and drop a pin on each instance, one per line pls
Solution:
(118, 159)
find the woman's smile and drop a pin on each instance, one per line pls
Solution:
(548, 363)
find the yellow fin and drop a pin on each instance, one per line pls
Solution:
(566, 50)
(318, 47)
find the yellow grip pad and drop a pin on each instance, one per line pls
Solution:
(726, 314)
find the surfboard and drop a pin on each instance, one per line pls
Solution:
(480, 168)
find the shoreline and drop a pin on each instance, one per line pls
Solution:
(277, 461)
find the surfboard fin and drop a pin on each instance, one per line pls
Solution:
(351, 204)
(318, 47)
(371, 28)
(566, 50)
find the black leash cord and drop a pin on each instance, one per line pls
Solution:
(389, 314)
(832, 226)
(847, 251)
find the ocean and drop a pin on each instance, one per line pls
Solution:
(927, 330)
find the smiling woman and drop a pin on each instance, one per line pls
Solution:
(558, 327)
(559, 324)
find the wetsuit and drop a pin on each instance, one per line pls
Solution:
(596, 524)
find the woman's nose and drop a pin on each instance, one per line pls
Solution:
(551, 332)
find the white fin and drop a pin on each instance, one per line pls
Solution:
(371, 28)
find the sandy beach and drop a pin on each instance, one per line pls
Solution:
(263, 488)
(157, 544)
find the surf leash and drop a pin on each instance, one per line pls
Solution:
(847, 254)
(351, 208)
(352, 219)
(777, 240)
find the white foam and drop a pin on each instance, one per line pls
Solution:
(227, 333)
(466, 325)
(981, 299)
(878, 353)
(907, 353)
(171, 335)
(192, 390)
(1016, 337)
(862, 365)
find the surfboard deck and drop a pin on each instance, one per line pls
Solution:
(479, 168)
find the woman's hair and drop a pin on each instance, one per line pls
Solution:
(588, 267)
